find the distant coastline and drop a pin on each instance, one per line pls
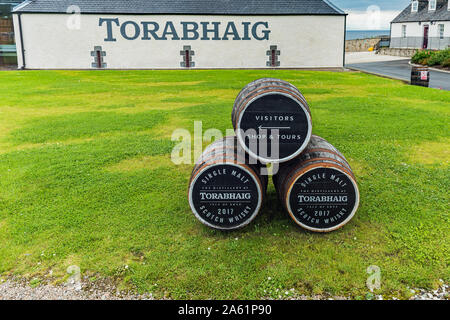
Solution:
(364, 34)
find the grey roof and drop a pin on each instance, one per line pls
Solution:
(441, 14)
(219, 7)
(13, 2)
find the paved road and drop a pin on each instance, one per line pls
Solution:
(400, 69)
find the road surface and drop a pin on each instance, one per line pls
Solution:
(400, 69)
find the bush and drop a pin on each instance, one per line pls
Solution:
(446, 63)
(431, 58)
(421, 56)
(438, 57)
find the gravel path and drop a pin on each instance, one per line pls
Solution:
(442, 293)
(14, 289)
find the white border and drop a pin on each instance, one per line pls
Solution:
(265, 160)
(256, 212)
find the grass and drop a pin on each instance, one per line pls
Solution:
(86, 179)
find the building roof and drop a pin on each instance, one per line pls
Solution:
(10, 1)
(423, 14)
(212, 7)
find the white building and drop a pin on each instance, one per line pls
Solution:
(169, 34)
(424, 24)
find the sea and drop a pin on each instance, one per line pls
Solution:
(364, 34)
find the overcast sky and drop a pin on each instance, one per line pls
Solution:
(371, 14)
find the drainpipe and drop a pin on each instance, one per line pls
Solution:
(19, 17)
(345, 36)
(390, 35)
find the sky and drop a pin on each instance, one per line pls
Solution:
(370, 14)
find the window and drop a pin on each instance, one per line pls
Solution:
(187, 56)
(432, 5)
(273, 58)
(99, 61)
(187, 53)
(403, 31)
(441, 31)
(415, 6)
(273, 55)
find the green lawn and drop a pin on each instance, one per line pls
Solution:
(86, 179)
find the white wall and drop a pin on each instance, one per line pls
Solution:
(304, 41)
(413, 29)
(446, 28)
(415, 35)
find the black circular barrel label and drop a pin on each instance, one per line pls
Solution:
(274, 127)
(225, 196)
(323, 199)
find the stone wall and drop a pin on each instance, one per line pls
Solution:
(360, 45)
(397, 52)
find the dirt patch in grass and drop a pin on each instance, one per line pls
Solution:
(360, 168)
(85, 124)
(432, 153)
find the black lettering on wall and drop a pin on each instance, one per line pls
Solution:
(109, 31)
(135, 26)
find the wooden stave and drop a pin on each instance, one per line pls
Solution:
(249, 88)
(225, 150)
(265, 85)
(317, 148)
(290, 172)
(224, 159)
(281, 181)
(253, 91)
(306, 158)
(284, 185)
(228, 146)
(261, 185)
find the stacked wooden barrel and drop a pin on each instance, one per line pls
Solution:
(272, 121)
(226, 191)
(318, 188)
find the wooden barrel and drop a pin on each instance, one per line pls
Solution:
(318, 188)
(420, 76)
(272, 120)
(226, 189)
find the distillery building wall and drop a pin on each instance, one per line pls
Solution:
(60, 41)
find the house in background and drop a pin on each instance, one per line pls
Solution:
(8, 55)
(424, 24)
